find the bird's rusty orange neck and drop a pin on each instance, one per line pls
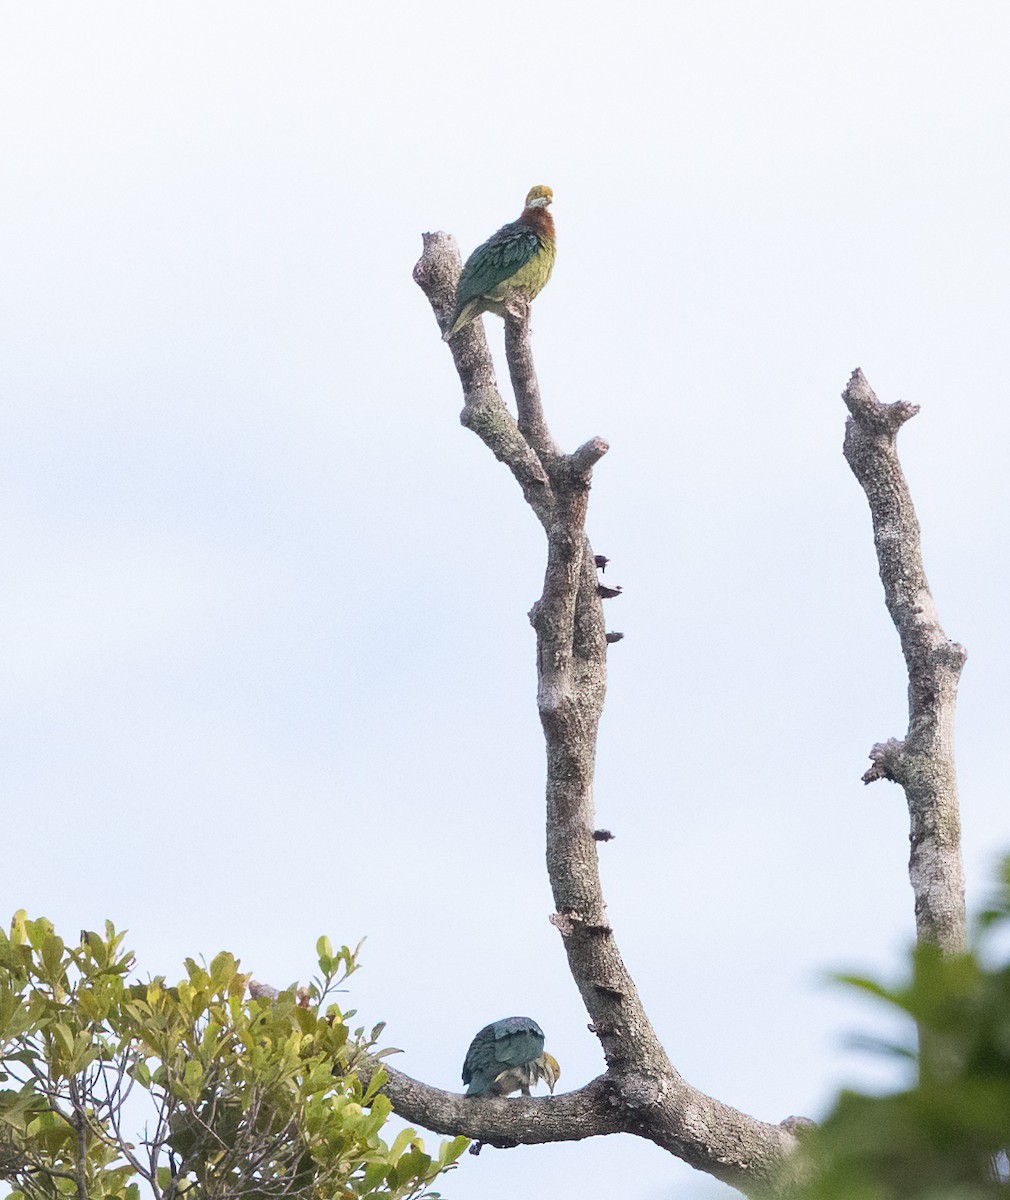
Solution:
(540, 221)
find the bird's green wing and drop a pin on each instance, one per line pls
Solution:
(511, 1042)
(516, 1047)
(480, 1065)
(495, 262)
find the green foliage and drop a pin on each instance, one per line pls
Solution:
(248, 1091)
(946, 1137)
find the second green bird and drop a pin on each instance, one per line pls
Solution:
(508, 1056)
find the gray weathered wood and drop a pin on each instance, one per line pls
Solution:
(923, 761)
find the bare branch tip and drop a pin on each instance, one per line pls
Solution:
(958, 655)
(798, 1126)
(564, 923)
(429, 246)
(858, 393)
(871, 413)
(887, 759)
(590, 453)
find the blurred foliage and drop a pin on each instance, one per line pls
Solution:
(946, 1137)
(245, 1091)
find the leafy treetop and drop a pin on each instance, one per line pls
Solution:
(250, 1092)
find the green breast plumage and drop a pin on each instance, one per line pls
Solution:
(516, 257)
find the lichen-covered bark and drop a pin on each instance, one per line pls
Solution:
(923, 761)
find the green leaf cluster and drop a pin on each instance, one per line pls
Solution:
(242, 1091)
(946, 1137)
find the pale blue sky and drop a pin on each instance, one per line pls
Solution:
(269, 672)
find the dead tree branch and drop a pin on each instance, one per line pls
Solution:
(641, 1092)
(923, 763)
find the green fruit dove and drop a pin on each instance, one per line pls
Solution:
(517, 259)
(508, 1056)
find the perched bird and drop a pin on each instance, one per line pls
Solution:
(518, 258)
(508, 1056)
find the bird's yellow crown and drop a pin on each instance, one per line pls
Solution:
(539, 196)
